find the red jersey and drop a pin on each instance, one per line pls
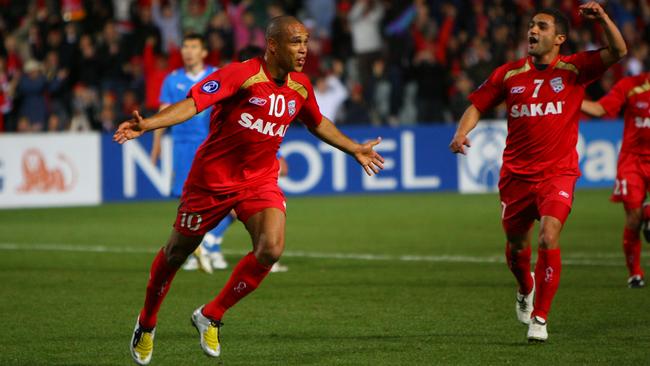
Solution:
(249, 118)
(543, 112)
(633, 93)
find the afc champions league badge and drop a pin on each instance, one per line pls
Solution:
(210, 86)
(478, 171)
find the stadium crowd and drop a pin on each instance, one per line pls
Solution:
(86, 64)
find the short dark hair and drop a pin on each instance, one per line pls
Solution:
(276, 25)
(560, 20)
(194, 37)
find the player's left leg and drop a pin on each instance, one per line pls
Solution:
(267, 233)
(631, 186)
(266, 229)
(554, 199)
(547, 276)
(632, 246)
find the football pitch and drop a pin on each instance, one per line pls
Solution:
(414, 279)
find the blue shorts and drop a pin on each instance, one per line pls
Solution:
(184, 152)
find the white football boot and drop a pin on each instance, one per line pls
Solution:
(524, 304)
(208, 331)
(202, 259)
(191, 263)
(537, 330)
(277, 268)
(217, 260)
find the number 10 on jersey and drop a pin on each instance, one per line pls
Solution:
(277, 105)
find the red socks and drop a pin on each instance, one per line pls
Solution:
(519, 264)
(547, 279)
(160, 278)
(632, 250)
(245, 278)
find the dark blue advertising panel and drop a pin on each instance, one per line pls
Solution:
(416, 159)
(598, 148)
(128, 172)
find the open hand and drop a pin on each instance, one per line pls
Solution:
(369, 159)
(130, 129)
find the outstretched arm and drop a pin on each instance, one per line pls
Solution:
(173, 115)
(467, 123)
(368, 158)
(157, 139)
(592, 108)
(616, 48)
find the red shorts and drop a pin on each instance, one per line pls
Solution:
(632, 180)
(523, 202)
(200, 211)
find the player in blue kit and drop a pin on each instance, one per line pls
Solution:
(187, 137)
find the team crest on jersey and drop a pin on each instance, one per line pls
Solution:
(210, 86)
(557, 85)
(257, 101)
(517, 89)
(292, 107)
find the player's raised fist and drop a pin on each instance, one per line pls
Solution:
(592, 10)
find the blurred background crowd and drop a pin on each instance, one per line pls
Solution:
(86, 64)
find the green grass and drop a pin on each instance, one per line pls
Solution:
(78, 307)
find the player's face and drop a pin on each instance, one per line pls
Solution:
(192, 52)
(542, 37)
(292, 48)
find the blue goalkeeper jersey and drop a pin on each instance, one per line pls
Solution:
(174, 89)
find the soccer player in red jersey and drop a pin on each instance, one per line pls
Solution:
(633, 175)
(542, 93)
(252, 103)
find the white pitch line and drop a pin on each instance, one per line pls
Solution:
(581, 260)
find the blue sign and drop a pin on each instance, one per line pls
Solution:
(128, 172)
(598, 147)
(416, 159)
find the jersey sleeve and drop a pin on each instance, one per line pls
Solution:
(613, 101)
(590, 66)
(491, 92)
(166, 96)
(310, 112)
(218, 86)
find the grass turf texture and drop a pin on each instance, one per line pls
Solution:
(79, 308)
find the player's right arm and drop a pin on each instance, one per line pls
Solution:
(468, 121)
(157, 139)
(173, 115)
(216, 87)
(487, 96)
